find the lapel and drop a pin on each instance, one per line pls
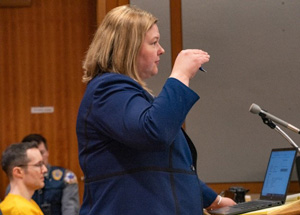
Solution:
(192, 148)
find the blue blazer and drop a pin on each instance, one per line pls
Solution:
(134, 155)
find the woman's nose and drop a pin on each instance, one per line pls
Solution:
(161, 50)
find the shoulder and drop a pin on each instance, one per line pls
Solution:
(60, 173)
(107, 84)
(113, 80)
(113, 77)
(70, 177)
(112, 86)
(56, 172)
(15, 204)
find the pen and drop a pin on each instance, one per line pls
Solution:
(201, 69)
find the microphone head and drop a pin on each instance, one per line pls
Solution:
(255, 109)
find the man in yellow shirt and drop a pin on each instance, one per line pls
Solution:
(23, 164)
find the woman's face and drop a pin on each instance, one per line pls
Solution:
(149, 54)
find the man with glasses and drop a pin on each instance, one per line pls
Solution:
(60, 195)
(24, 166)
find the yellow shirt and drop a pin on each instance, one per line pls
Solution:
(18, 205)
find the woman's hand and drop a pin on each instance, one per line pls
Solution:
(187, 64)
(221, 202)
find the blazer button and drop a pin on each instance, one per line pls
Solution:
(193, 168)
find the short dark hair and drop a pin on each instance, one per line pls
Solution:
(16, 155)
(37, 138)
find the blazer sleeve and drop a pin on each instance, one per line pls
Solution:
(120, 109)
(209, 195)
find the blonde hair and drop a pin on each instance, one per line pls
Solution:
(117, 42)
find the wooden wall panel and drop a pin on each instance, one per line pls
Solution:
(176, 28)
(42, 49)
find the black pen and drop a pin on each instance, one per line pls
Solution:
(201, 69)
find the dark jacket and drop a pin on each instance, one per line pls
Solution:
(59, 196)
(134, 155)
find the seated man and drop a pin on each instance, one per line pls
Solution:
(24, 166)
(60, 194)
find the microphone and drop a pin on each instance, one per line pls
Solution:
(255, 109)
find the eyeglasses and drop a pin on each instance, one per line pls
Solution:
(39, 164)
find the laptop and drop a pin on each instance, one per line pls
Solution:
(275, 186)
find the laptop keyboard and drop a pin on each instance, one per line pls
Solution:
(246, 207)
(255, 205)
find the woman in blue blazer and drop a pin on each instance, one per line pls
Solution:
(135, 157)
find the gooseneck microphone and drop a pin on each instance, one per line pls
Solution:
(255, 109)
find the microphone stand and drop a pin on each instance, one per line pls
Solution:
(272, 125)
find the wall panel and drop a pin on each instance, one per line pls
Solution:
(254, 47)
(42, 49)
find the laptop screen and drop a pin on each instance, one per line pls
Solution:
(278, 174)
